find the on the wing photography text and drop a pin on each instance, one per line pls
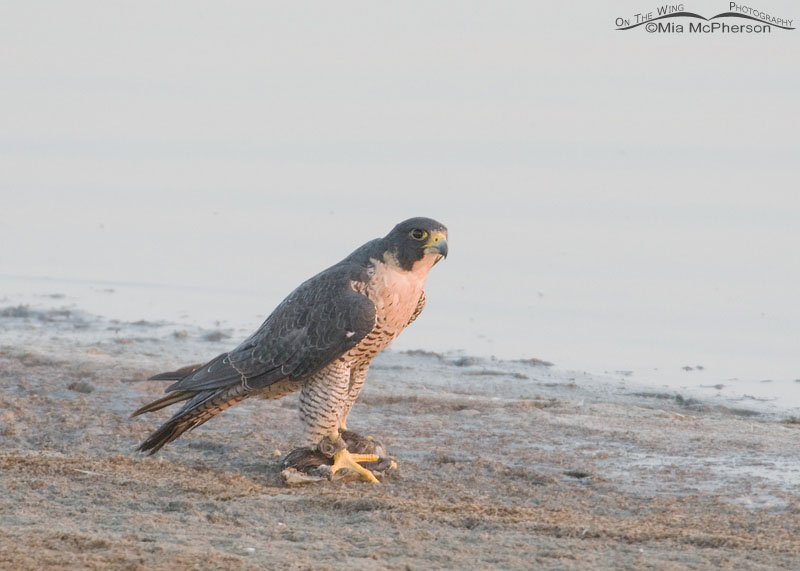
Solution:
(676, 19)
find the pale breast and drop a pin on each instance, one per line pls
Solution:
(396, 294)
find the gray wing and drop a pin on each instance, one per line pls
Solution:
(319, 322)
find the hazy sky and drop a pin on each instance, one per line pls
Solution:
(611, 196)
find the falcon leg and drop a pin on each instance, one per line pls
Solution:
(325, 401)
(336, 452)
(344, 459)
(357, 377)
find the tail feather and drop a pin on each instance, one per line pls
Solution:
(171, 398)
(203, 406)
(177, 375)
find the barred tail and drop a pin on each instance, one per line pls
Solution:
(202, 406)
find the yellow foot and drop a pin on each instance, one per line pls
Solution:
(343, 459)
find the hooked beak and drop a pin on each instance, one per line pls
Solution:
(437, 244)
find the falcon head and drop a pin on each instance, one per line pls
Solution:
(416, 240)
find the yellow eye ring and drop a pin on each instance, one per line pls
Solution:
(418, 234)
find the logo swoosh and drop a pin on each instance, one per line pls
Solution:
(675, 15)
(737, 15)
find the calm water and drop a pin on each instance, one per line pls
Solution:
(600, 218)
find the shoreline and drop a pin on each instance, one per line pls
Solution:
(702, 370)
(197, 343)
(501, 463)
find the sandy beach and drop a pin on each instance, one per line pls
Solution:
(606, 372)
(502, 464)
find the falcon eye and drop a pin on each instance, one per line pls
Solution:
(418, 234)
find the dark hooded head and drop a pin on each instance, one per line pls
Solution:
(415, 239)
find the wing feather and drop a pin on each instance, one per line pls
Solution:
(319, 322)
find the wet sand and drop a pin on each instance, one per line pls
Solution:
(502, 464)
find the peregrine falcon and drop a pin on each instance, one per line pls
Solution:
(320, 340)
